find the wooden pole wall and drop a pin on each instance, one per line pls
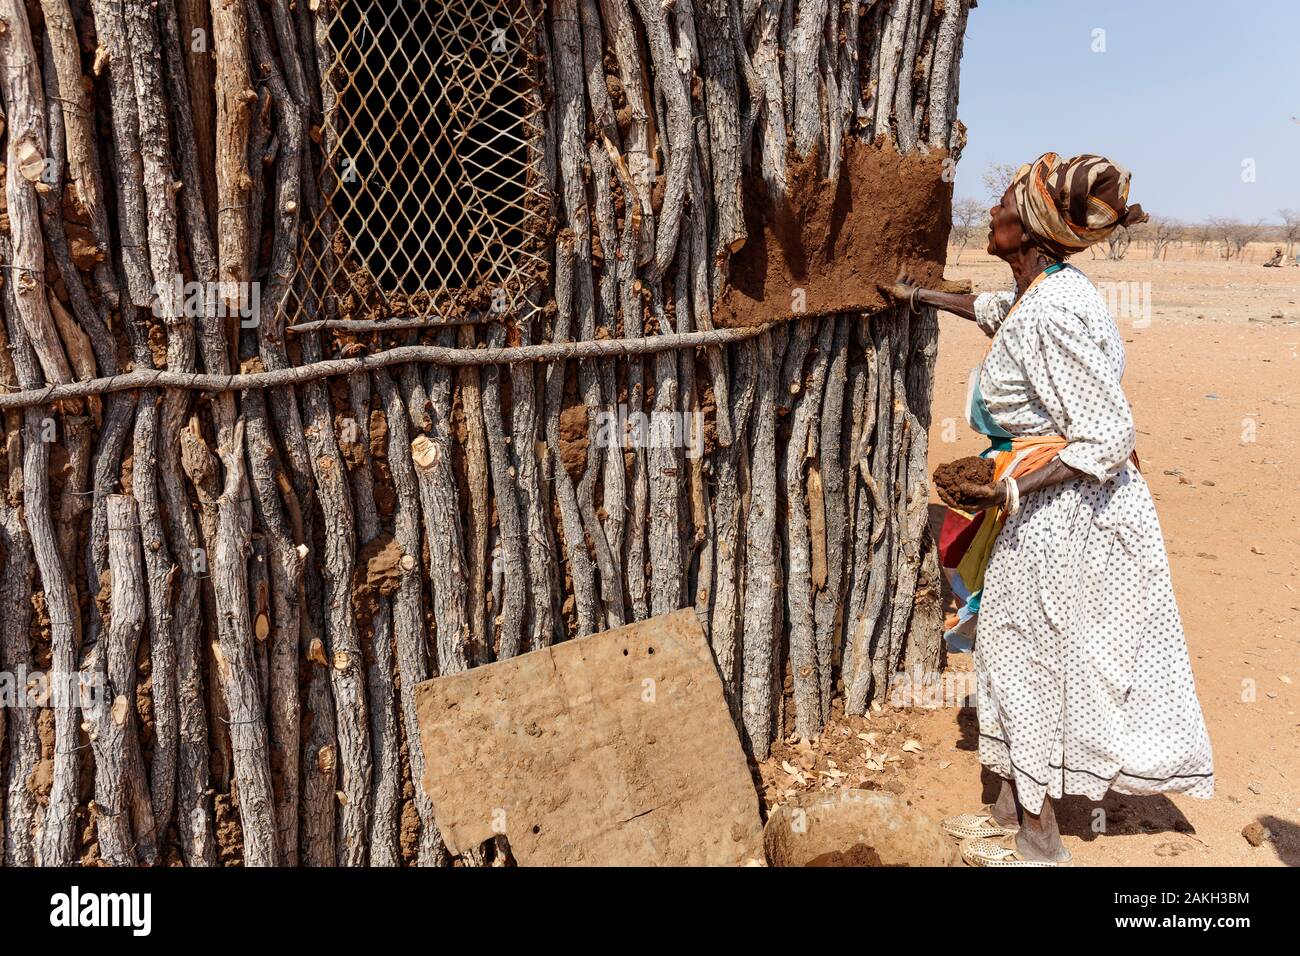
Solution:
(248, 582)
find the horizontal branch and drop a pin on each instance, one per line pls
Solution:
(409, 354)
(393, 325)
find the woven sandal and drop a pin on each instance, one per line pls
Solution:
(966, 825)
(990, 853)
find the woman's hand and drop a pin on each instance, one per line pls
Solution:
(902, 289)
(990, 496)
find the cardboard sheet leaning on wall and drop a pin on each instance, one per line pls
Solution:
(615, 749)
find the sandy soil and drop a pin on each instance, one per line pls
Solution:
(1211, 377)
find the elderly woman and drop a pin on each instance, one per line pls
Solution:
(1084, 682)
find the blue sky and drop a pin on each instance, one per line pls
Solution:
(1185, 92)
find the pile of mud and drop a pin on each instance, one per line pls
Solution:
(964, 482)
(831, 246)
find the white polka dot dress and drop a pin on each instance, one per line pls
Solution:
(1084, 681)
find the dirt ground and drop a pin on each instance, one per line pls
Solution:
(1212, 373)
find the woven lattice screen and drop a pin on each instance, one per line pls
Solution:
(431, 200)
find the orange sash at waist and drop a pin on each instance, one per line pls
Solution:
(1029, 454)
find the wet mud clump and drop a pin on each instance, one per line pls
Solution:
(963, 483)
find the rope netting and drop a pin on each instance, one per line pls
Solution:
(433, 206)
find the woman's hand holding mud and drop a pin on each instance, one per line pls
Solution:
(989, 496)
(904, 290)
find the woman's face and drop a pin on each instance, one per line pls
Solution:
(1006, 234)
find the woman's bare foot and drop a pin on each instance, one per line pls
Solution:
(1039, 839)
(1004, 810)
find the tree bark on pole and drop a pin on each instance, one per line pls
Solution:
(108, 691)
(25, 173)
(22, 811)
(235, 98)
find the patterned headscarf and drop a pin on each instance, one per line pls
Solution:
(1067, 205)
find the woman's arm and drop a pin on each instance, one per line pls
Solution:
(1053, 473)
(957, 304)
(987, 310)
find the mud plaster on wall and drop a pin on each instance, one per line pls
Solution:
(833, 245)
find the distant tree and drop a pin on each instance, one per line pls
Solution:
(1199, 235)
(1117, 243)
(969, 216)
(1290, 228)
(1160, 232)
(1246, 234)
(1234, 234)
(1221, 229)
(997, 178)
